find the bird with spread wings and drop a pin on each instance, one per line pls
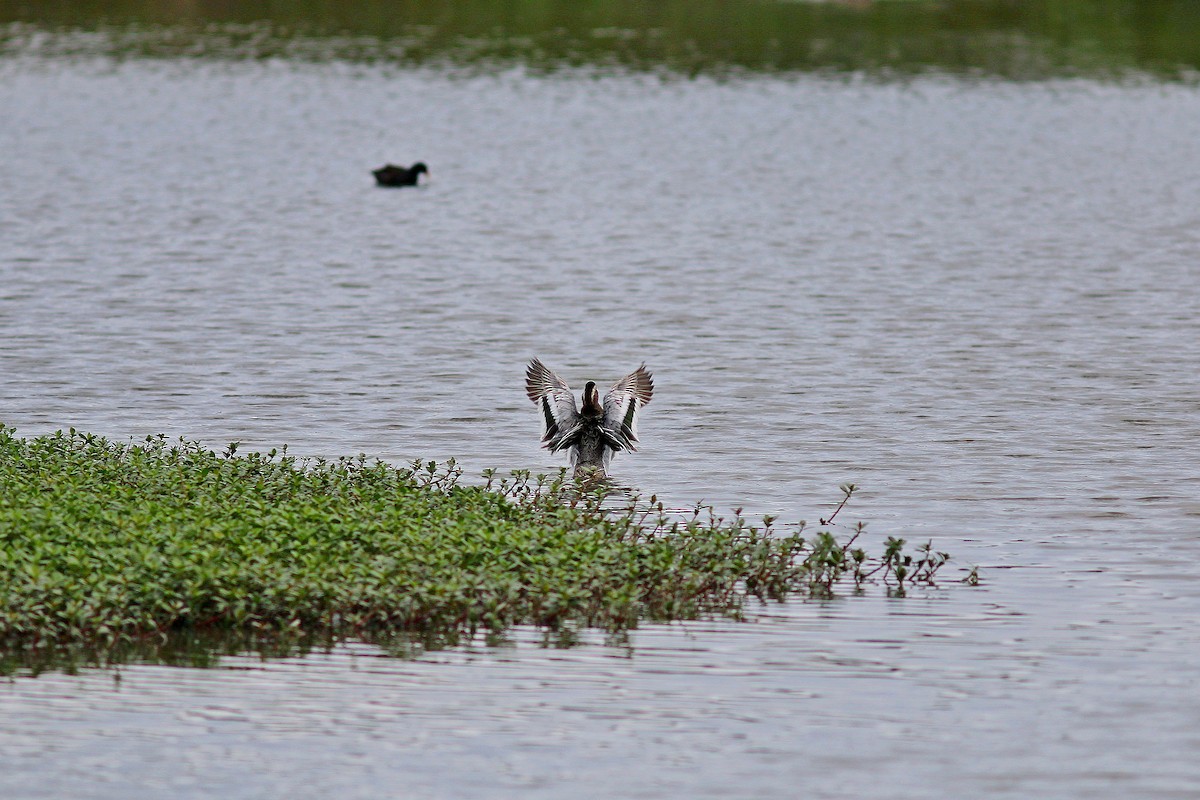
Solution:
(593, 433)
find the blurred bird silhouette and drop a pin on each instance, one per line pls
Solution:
(392, 175)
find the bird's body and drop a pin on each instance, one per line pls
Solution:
(593, 432)
(392, 175)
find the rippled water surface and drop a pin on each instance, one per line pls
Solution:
(977, 300)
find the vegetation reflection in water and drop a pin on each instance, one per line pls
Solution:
(1034, 39)
(167, 551)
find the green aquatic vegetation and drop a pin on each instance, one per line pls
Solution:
(109, 546)
(1032, 39)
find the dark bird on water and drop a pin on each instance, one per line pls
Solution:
(592, 434)
(392, 175)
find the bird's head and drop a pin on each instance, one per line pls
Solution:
(591, 400)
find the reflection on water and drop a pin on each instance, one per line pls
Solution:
(975, 299)
(944, 692)
(996, 37)
(204, 649)
(176, 648)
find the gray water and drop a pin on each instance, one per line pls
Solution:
(975, 299)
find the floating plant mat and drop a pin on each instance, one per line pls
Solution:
(112, 546)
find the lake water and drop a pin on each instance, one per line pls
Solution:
(976, 299)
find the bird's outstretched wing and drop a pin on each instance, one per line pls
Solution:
(621, 406)
(554, 399)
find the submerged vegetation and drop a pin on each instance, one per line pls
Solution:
(110, 547)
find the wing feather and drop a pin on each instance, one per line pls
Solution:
(553, 396)
(621, 406)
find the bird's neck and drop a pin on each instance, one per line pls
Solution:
(591, 400)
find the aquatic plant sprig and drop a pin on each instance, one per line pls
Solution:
(903, 567)
(428, 475)
(109, 546)
(810, 567)
(848, 490)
